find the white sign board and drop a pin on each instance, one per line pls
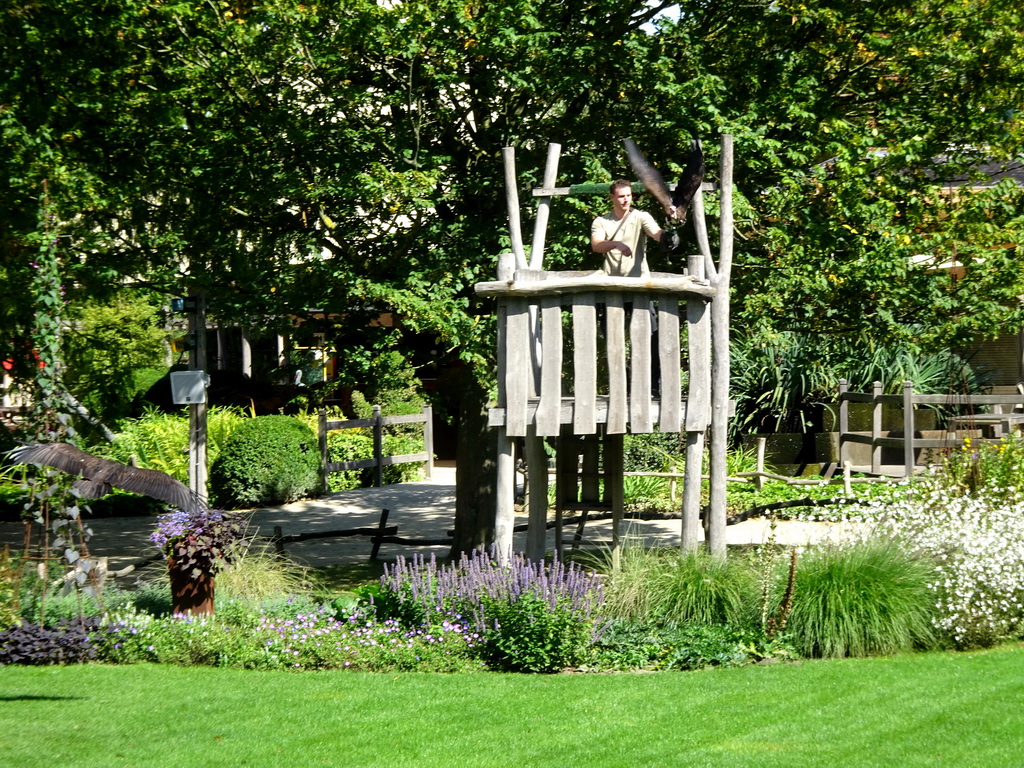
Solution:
(188, 387)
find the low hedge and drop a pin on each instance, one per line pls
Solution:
(267, 460)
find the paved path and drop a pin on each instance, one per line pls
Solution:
(421, 510)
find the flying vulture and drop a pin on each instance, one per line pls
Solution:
(99, 476)
(676, 204)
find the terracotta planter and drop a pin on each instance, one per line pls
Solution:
(190, 595)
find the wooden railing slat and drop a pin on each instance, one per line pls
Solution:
(548, 411)
(584, 333)
(615, 337)
(640, 366)
(518, 367)
(668, 352)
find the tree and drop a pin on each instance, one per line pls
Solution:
(114, 351)
(345, 155)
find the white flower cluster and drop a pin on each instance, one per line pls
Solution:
(977, 545)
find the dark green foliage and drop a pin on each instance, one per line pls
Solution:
(267, 460)
(529, 635)
(861, 599)
(779, 382)
(65, 643)
(650, 452)
(639, 645)
(348, 445)
(114, 351)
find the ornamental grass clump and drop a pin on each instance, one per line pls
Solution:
(533, 617)
(868, 597)
(666, 586)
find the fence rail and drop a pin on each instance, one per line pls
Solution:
(379, 460)
(997, 420)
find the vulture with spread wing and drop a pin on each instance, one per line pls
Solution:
(675, 205)
(99, 476)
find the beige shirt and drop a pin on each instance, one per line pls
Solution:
(634, 225)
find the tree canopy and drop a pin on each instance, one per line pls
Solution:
(283, 155)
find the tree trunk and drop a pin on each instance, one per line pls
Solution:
(476, 468)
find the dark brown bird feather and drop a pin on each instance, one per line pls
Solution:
(99, 476)
(676, 204)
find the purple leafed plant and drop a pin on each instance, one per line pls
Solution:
(200, 541)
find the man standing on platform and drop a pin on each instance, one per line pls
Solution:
(620, 235)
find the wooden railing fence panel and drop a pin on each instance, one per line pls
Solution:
(378, 461)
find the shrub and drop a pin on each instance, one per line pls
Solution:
(976, 546)
(65, 643)
(348, 445)
(267, 460)
(646, 493)
(159, 440)
(667, 586)
(312, 639)
(995, 469)
(533, 617)
(632, 645)
(863, 598)
(650, 452)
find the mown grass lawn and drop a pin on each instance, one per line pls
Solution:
(942, 709)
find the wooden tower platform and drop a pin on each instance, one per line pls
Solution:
(577, 361)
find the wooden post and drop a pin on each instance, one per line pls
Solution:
(908, 428)
(375, 550)
(759, 479)
(428, 440)
(566, 466)
(505, 513)
(720, 367)
(378, 448)
(693, 476)
(537, 503)
(321, 430)
(505, 492)
(278, 544)
(197, 470)
(246, 353)
(613, 478)
(221, 350)
(696, 411)
(515, 230)
(540, 226)
(844, 423)
(700, 229)
(876, 427)
(282, 351)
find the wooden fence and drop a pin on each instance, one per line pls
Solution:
(609, 383)
(377, 423)
(1001, 418)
